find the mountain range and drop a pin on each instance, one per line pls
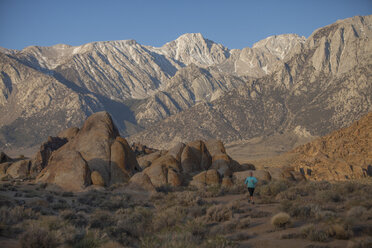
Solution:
(190, 88)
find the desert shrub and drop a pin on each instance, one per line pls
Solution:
(314, 233)
(131, 222)
(68, 194)
(287, 195)
(92, 198)
(214, 191)
(36, 237)
(224, 227)
(101, 219)
(304, 211)
(115, 202)
(219, 242)
(196, 228)
(17, 214)
(329, 196)
(182, 239)
(49, 198)
(90, 240)
(196, 211)
(218, 213)
(356, 213)
(339, 231)
(76, 219)
(325, 215)
(281, 220)
(169, 217)
(236, 189)
(365, 242)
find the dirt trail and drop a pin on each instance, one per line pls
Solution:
(261, 233)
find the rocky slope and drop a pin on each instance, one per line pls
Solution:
(322, 87)
(341, 155)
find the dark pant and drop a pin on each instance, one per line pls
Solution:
(251, 190)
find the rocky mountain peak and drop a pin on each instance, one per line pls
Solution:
(194, 48)
(279, 45)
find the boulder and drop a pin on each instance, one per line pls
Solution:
(176, 151)
(174, 178)
(141, 181)
(159, 171)
(4, 158)
(3, 168)
(94, 141)
(221, 163)
(215, 147)
(66, 169)
(69, 133)
(19, 169)
(145, 161)
(195, 157)
(43, 155)
(209, 177)
(97, 179)
(227, 182)
(123, 161)
(261, 175)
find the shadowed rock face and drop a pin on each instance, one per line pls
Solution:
(344, 154)
(97, 148)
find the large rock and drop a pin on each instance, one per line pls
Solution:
(68, 170)
(101, 148)
(43, 155)
(141, 181)
(209, 177)
(145, 161)
(261, 175)
(69, 133)
(123, 161)
(176, 151)
(3, 168)
(164, 170)
(19, 169)
(97, 179)
(195, 157)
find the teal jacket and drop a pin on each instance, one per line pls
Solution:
(250, 182)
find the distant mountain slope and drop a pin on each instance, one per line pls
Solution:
(323, 87)
(280, 83)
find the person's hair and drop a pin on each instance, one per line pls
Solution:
(251, 173)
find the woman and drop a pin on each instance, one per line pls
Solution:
(251, 182)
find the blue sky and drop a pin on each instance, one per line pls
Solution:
(233, 23)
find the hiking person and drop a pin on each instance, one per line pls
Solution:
(251, 184)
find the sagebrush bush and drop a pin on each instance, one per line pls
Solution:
(314, 233)
(329, 196)
(356, 213)
(281, 220)
(101, 219)
(36, 237)
(339, 231)
(16, 214)
(218, 213)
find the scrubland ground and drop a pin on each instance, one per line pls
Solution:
(285, 214)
